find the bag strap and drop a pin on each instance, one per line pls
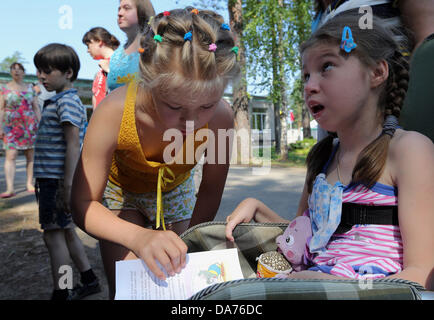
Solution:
(353, 214)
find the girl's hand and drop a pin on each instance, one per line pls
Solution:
(104, 64)
(162, 246)
(244, 212)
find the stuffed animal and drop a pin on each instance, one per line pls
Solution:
(291, 245)
(294, 240)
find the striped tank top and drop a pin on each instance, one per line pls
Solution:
(365, 251)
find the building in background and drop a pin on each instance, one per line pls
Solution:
(261, 109)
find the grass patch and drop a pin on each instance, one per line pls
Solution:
(296, 155)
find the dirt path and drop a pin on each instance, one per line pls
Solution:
(25, 272)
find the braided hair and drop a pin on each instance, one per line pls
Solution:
(373, 45)
(187, 48)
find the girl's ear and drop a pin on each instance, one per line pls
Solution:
(379, 73)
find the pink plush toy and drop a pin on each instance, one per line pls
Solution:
(294, 241)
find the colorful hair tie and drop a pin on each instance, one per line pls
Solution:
(347, 43)
(158, 38)
(150, 19)
(212, 47)
(195, 11)
(141, 50)
(166, 13)
(188, 36)
(235, 50)
(225, 27)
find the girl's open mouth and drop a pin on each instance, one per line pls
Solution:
(317, 108)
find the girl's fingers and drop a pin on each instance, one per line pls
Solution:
(172, 255)
(178, 257)
(171, 259)
(152, 265)
(230, 226)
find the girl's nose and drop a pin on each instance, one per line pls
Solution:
(189, 116)
(311, 86)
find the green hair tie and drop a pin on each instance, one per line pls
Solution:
(235, 50)
(158, 38)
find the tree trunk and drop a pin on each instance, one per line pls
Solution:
(240, 104)
(284, 122)
(306, 122)
(282, 94)
(275, 91)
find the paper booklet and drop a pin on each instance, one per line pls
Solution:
(134, 281)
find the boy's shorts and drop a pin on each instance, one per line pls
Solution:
(52, 212)
(178, 204)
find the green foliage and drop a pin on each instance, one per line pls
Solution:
(15, 57)
(303, 144)
(272, 34)
(296, 156)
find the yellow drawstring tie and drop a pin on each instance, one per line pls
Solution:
(162, 181)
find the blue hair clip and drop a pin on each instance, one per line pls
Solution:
(347, 43)
(188, 36)
(225, 27)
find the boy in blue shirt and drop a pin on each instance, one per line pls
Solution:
(57, 149)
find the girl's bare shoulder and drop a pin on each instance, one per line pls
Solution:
(111, 108)
(409, 148)
(409, 140)
(223, 117)
(107, 117)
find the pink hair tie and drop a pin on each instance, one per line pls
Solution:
(212, 47)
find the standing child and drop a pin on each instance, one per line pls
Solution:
(133, 17)
(355, 83)
(100, 45)
(188, 57)
(57, 150)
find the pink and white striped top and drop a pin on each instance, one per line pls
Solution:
(366, 251)
(378, 195)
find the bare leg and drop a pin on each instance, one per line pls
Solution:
(180, 227)
(76, 250)
(11, 156)
(29, 169)
(58, 251)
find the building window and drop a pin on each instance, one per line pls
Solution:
(259, 116)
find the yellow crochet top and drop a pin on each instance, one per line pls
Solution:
(132, 172)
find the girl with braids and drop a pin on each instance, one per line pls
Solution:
(187, 59)
(355, 83)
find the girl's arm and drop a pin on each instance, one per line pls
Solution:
(2, 114)
(93, 102)
(417, 17)
(35, 107)
(412, 165)
(72, 138)
(215, 172)
(90, 180)
(251, 208)
(247, 210)
(302, 204)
